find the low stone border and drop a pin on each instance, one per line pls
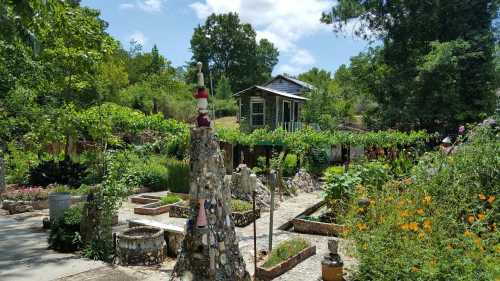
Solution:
(266, 274)
(318, 228)
(152, 209)
(16, 207)
(145, 199)
(239, 219)
(245, 218)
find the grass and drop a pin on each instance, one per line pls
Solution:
(240, 206)
(286, 250)
(228, 122)
(170, 199)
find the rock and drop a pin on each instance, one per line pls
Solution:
(242, 183)
(16, 207)
(333, 246)
(303, 181)
(364, 202)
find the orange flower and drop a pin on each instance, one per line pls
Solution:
(427, 200)
(491, 199)
(470, 219)
(413, 226)
(481, 216)
(420, 211)
(415, 269)
(479, 244)
(404, 226)
(404, 213)
(482, 197)
(427, 224)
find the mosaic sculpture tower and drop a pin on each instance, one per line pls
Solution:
(210, 250)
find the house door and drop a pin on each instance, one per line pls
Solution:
(287, 112)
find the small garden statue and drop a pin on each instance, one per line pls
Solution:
(332, 264)
(210, 249)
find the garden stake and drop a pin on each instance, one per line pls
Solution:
(254, 237)
(272, 184)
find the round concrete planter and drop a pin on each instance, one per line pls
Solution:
(140, 245)
(58, 203)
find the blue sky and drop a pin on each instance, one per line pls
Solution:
(292, 25)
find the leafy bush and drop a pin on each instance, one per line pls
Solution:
(334, 170)
(285, 250)
(64, 172)
(290, 165)
(372, 173)
(240, 206)
(170, 199)
(178, 180)
(18, 163)
(64, 233)
(316, 161)
(440, 224)
(153, 175)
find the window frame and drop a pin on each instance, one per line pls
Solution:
(252, 114)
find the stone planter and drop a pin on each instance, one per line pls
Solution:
(178, 211)
(318, 228)
(145, 199)
(245, 218)
(266, 274)
(58, 203)
(152, 209)
(239, 219)
(140, 246)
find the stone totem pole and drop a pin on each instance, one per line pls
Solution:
(210, 250)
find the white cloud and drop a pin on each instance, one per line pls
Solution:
(138, 37)
(150, 6)
(283, 22)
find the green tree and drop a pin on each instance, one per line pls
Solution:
(228, 47)
(223, 90)
(436, 61)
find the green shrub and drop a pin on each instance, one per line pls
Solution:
(170, 199)
(240, 206)
(290, 165)
(373, 174)
(316, 161)
(154, 175)
(334, 170)
(178, 180)
(65, 172)
(285, 250)
(65, 233)
(18, 163)
(440, 224)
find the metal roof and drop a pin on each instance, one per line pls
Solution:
(293, 80)
(273, 91)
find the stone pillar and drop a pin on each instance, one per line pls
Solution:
(210, 249)
(2, 175)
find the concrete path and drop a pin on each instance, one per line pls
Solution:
(24, 254)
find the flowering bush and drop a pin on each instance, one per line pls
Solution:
(27, 194)
(440, 224)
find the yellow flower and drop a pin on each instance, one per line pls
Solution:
(482, 197)
(404, 226)
(469, 234)
(421, 236)
(404, 214)
(427, 200)
(493, 227)
(481, 216)
(491, 199)
(427, 224)
(479, 244)
(415, 269)
(420, 211)
(362, 226)
(470, 219)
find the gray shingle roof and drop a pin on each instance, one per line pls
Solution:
(273, 91)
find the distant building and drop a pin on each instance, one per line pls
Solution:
(277, 103)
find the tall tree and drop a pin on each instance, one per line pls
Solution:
(436, 60)
(228, 47)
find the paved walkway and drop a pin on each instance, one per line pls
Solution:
(24, 249)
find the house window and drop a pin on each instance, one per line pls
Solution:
(257, 112)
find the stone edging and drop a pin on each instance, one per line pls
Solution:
(266, 274)
(317, 228)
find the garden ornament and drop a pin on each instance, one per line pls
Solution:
(202, 100)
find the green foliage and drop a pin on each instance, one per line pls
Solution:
(225, 107)
(65, 172)
(426, 75)
(170, 199)
(232, 51)
(285, 250)
(240, 206)
(334, 170)
(64, 233)
(18, 163)
(290, 165)
(223, 90)
(438, 225)
(178, 180)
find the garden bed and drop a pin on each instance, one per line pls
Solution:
(145, 199)
(285, 257)
(305, 226)
(160, 206)
(241, 218)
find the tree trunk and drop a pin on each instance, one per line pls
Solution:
(210, 249)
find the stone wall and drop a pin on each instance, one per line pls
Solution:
(2, 175)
